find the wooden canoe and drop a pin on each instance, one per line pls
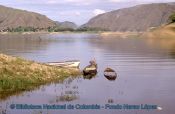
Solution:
(110, 74)
(71, 64)
(90, 70)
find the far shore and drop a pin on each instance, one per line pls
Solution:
(158, 32)
(103, 33)
(45, 32)
(127, 34)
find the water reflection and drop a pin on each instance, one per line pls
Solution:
(68, 93)
(4, 95)
(172, 53)
(22, 43)
(89, 77)
(165, 44)
(65, 95)
(145, 66)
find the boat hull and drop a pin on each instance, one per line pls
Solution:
(90, 70)
(71, 64)
(110, 74)
(110, 77)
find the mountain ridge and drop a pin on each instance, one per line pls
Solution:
(13, 18)
(66, 24)
(136, 18)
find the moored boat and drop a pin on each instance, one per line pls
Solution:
(90, 69)
(71, 64)
(89, 77)
(110, 74)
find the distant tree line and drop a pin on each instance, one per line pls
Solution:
(22, 29)
(52, 29)
(81, 29)
(59, 29)
(86, 29)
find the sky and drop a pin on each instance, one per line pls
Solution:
(77, 11)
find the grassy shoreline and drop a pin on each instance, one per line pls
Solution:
(121, 34)
(17, 74)
(164, 31)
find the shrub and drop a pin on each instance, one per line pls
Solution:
(172, 18)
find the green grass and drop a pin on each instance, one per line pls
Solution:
(17, 74)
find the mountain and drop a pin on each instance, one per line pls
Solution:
(13, 18)
(66, 24)
(137, 18)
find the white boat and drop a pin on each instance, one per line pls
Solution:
(69, 64)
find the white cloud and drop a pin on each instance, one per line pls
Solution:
(83, 2)
(75, 2)
(98, 11)
(79, 1)
(52, 2)
(69, 13)
(77, 13)
(140, 1)
(117, 0)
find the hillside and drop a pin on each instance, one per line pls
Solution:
(14, 18)
(166, 31)
(66, 24)
(137, 18)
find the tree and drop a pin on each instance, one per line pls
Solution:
(172, 18)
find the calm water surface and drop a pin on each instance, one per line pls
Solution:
(146, 69)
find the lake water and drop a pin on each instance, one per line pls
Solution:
(145, 68)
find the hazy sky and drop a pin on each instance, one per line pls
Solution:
(78, 11)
